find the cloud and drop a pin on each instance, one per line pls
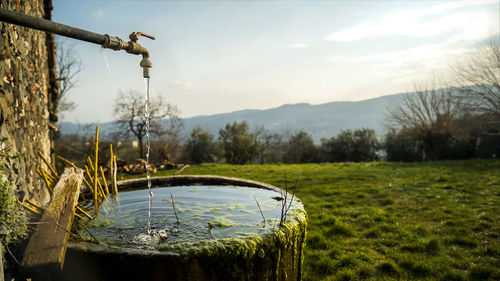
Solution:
(298, 46)
(98, 14)
(181, 84)
(404, 66)
(414, 23)
(430, 55)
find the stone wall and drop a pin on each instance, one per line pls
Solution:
(27, 89)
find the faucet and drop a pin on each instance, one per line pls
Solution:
(132, 47)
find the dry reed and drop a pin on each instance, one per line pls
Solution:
(104, 180)
(96, 206)
(47, 163)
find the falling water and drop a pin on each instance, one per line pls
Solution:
(105, 59)
(148, 145)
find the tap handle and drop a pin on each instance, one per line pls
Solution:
(134, 36)
(146, 35)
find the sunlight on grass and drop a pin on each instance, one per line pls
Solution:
(392, 221)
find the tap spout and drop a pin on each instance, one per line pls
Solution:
(131, 47)
(146, 63)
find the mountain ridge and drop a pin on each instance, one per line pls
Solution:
(321, 121)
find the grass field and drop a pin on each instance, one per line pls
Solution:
(392, 221)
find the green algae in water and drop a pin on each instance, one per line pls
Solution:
(229, 211)
(99, 222)
(222, 222)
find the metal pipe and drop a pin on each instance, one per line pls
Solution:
(104, 40)
(52, 27)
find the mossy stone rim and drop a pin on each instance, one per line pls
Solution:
(133, 184)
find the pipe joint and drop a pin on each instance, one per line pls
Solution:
(113, 43)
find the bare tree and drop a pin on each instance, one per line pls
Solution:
(167, 141)
(477, 79)
(68, 67)
(130, 118)
(430, 116)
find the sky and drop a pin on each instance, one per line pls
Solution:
(213, 57)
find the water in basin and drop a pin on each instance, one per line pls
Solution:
(205, 213)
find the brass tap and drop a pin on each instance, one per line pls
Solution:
(135, 48)
(132, 47)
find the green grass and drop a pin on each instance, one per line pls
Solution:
(392, 221)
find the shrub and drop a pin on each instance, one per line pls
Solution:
(12, 217)
(357, 146)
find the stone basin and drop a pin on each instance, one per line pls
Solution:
(202, 246)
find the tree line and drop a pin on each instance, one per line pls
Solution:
(238, 144)
(442, 119)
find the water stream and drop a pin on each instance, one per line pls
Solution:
(148, 147)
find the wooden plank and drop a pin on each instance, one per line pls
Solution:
(46, 249)
(1, 263)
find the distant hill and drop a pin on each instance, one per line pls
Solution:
(321, 121)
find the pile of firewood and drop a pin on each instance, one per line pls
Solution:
(139, 166)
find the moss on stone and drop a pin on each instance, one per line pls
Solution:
(283, 247)
(289, 233)
(99, 222)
